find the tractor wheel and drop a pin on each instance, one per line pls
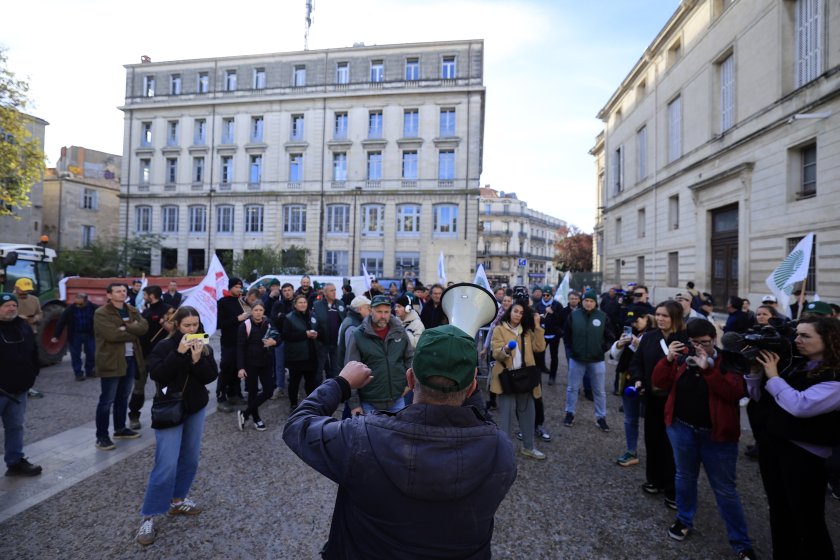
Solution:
(49, 352)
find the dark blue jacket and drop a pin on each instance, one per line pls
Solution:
(69, 316)
(422, 483)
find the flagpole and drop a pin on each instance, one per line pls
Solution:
(801, 300)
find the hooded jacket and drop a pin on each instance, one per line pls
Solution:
(395, 501)
(413, 327)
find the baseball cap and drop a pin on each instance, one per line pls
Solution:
(359, 301)
(448, 352)
(24, 285)
(379, 299)
(769, 299)
(682, 296)
(818, 308)
(6, 297)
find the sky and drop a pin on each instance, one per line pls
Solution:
(550, 66)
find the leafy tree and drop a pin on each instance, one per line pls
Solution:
(573, 250)
(259, 262)
(110, 257)
(21, 156)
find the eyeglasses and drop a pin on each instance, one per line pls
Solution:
(638, 294)
(706, 343)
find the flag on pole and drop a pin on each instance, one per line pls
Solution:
(562, 293)
(481, 278)
(441, 271)
(204, 296)
(138, 299)
(791, 270)
(366, 275)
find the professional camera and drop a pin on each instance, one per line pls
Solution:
(741, 350)
(521, 295)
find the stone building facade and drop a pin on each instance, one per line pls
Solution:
(362, 155)
(721, 150)
(515, 243)
(24, 224)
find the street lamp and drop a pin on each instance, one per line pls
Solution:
(356, 191)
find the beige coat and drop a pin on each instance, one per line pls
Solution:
(532, 341)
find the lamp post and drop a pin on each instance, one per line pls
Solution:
(209, 228)
(356, 192)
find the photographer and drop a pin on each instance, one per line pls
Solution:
(702, 419)
(797, 421)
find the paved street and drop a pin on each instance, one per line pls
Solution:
(261, 502)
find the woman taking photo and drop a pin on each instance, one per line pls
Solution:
(177, 364)
(254, 358)
(623, 350)
(522, 326)
(299, 335)
(659, 468)
(797, 421)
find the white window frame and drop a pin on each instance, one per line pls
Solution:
(377, 71)
(175, 84)
(200, 132)
(259, 78)
(225, 219)
(294, 219)
(374, 166)
(197, 218)
(145, 134)
(447, 122)
(445, 222)
(402, 260)
(338, 219)
(412, 69)
(198, 170)
(90, 199)
(408, 220)
(342, 72)
(255, 169)
(254, 214)
(148, 86)
(411, 123)
(88, 236)
(448, 68)
(373, 262)
(339, 166)
(373, 220)
(338, 262)
(298, 127)
(257, 129)
(228, 130)
(376, 122)
(169, 218)
(143, 219)
(230, 80)
(299, 75)
(144, 172)
(203, 83)
(675, 129)
(173, 129)
(446, 165)
(171, 171)
(341, 125)
(410, 160)
(296, 168)
(227, 166)
(809, 40)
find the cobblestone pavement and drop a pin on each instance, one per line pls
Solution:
(260, 501)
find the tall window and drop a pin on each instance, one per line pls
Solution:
(294, 218)
(674, 269)
(255, 170)
(618, 170)
(641, 223)
(169, 219)
(227, 170)
(198, 219)
(372, 262)
(172, 133)
(145, 172)
(808, 171)
(175, 84)
(618, 236)
(411, 123)
(674, 212)
(171, 171)
(295, 168)
(446, 165)
(198, 169)
(641, 153)
(143, 219)
(406, 262)
(257, 129)
(447, 68)
(409, 164)
(200, 132)
(90, 199)
(340, 131)
(88, 236)
(299, 76)
(674, 129)
(230, 80)
(342, 73)
(374, 166)
(338, 218)
(148, 86)
(640, 269)
(224, 218)
(254, 218)
(726, 71)
(336, 263)
(447, 122)
(809, 40)
(408, 219)
(375, 124)
(446, 220)
(339, 166)
(373, 219)
(259, 78)
(297, 127)
(203, 85)
(145, 134)
(228, 131)
(377, 71)
(412, 69)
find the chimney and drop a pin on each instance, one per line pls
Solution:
(145, 59)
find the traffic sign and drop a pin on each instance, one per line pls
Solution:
(523, 262)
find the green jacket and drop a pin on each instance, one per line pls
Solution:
(111, 340)
(298, 348)
(591, 335)
(321, 314)
(388, 359)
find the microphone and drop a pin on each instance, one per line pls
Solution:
(732, 341)
(511, 345)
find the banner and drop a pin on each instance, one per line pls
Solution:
(203, 297)
(441, 271)
(481, 278)
(366, 275)
(791, 270)
(561, 294)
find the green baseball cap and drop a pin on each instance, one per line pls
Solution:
(818, 308)
(380, 300)
(445, 351)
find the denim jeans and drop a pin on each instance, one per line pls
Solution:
(596, 371)
(12, 414)
(280, 365)
(693, 446)
(521, 405)
(176, 461)
(115, 392)
(398, 405)
(78, 342)
(632, 406)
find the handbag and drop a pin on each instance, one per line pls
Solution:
(168, 409)
(517, 381)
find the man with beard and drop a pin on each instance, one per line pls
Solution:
(283, 306)
(432, 314)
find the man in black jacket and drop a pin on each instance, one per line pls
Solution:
(78, 319)
(19, 356)
(155, 315)
(231, 311)
(432, 314)
(328, 312)
(279, 310)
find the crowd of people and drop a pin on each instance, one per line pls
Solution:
(387, 354)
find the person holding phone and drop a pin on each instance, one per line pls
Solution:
(255, 343)
(178, 363)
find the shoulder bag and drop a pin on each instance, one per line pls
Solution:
(168, 409)
(521, 380)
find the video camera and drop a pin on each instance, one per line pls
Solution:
(741, 350)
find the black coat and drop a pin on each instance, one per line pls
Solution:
(648, 355)
(250, 350)
(19, 356)
(228, 309)
(171, 369)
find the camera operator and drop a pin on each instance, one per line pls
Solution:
(797, 421)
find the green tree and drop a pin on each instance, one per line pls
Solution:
(110, 257)
(21, 156)
(259, 262)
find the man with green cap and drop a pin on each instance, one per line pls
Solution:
(424, 482)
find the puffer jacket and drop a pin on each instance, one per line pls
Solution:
(388, 464)
(19, 356)
(413, 327)
(389, 359)
(169, 368)
(528, 343)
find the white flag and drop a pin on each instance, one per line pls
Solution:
(366, 275)
(203, 297)
(481, 278)
(441, 271)
(138, 299)
(562, 292)
(792, 270)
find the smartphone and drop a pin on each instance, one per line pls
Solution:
(628, 331)
(203, 337)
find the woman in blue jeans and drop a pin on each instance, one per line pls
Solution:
(702, 418)
(177, 364)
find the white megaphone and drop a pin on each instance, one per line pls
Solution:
(468, 306)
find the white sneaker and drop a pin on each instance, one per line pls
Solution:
(240, 419)
(146, 534)
(533, 453)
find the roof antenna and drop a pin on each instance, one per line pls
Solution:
(308, 19)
